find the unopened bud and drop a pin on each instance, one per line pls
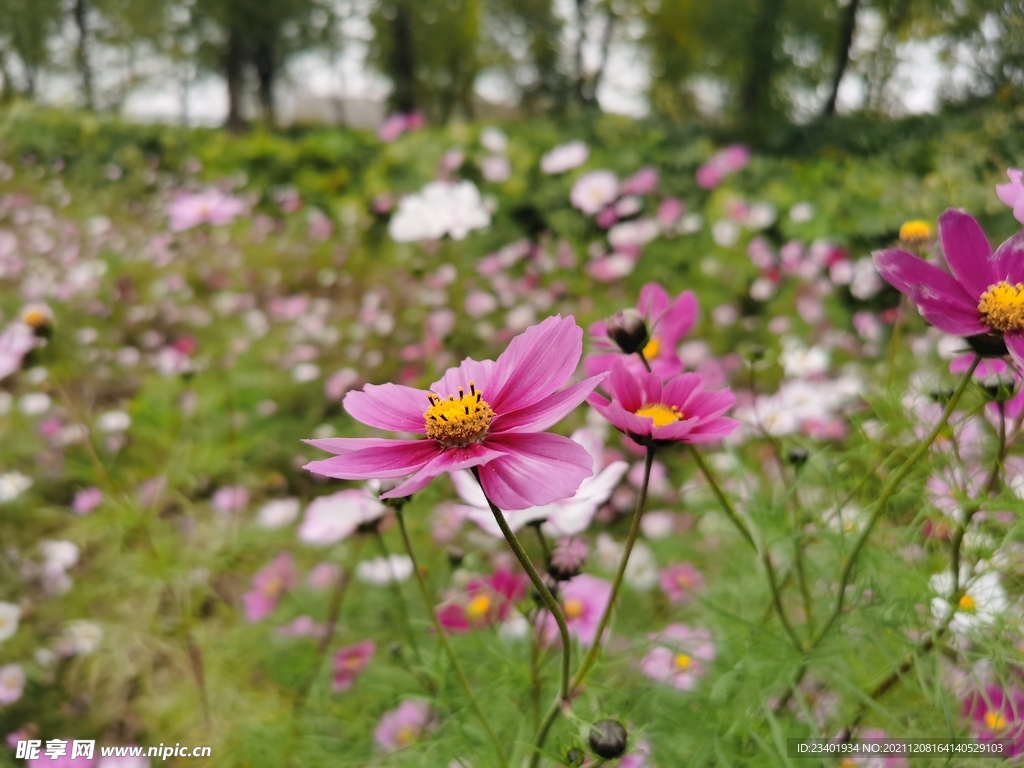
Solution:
(988, 344)
(608, 739)
(456, 556)
(797, 457)
(567, 558)
(574, 756)
(627, 329)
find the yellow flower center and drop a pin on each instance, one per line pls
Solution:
(994, 721)
(652, 348)
(353, 663)
(573, 608)
(966, 603)
(916, 231)
(405, 736)
(1002, 307)
(661, 414)
(273, 586)
(36, 318)
(683, 661)
(478, 607)
(458, 422)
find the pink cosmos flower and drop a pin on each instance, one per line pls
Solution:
(996, 713)
(983, 295)
(121, 761)
(593, 191)
(230, 499)
(17, 340)
(333, 518)
(402, 726)
(670, 210)
(680, 580)
(488, 414)
(876, 761)
(1012, 194)
(303, 626)
(583, 599)
(486, 600)
(208, 207)
(269, 585)
(564, 157)
(714, 171)
(678, 410)
(642, 182)
(566, 517)
(12, 683)
(681, 657)
(86, 501)
(349, 662)
(668, 320)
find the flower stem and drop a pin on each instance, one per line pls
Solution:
(643, 359)
(634, 530)
(446, 644)
(887, 491)
(406, 624)
(727, 506)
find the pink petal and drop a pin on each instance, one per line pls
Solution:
(967, 251)
(480, 372)
(620, 418)
(679, 388)
(653, 301)
(536, 469)
(712, 429)
(677, 320)
(372, 459)
(536, 364)
(451, 460)
(595, 364)
(626, 388)
(1015, 345)
(548, 412)
(1012, 193)
(1009, 259)
(389, 406)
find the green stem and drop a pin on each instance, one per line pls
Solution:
(887, 491)
(446, 643)
(543, 542)
(402, 612)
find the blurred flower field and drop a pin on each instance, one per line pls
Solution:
(830, 484)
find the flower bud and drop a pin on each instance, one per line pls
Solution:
(567, 558)
(608, 739)
(797, 457)
(988, 344)
(574, 756)
(627, 329)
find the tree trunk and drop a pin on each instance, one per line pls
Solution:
(81, 12)
(7, 91)
(581, 38)
(234, 74)
(606, 45)
(404, 63)
(846, 32)
(266, 69)
(755, 95)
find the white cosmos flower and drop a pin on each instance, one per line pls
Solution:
(10, 613)
(83, 636)
(381, 572)
(333, 518)
(440, 208)
(12, 485)
(277, 513)
(567, 517)
(564, 157)
(113, 421)
(983, 601)
(799, 361)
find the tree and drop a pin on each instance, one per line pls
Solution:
(25, 29)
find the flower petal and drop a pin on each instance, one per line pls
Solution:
(626, 388)
(479, 372)
(535, 364)
(451, 460)
(677, 320)
(1009, 259)
(536, 469)
(371, 459)
(652, 302)
(389, 406)
(1015, 346)
(548, 412)
(967, 251)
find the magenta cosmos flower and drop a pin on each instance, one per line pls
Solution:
(997, 714)
(668, 320)
(488, 414)
(985, 292)
(486, 600)
(402, 726)
(349, 662)
(679, 410)
(583, 600)
(268, 586)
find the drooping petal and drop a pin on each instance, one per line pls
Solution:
(536, 469)
(478, 372)
(652, 302)
(711, 430)
(389, 406)
(535, 364)
(1009, 259)
(955, 321)
(678, 319)
(1015, 346)
(469, 489)
(548, 412)
(450, 460)
(372, 459)
(574, 516)
(967, 251)
(622, 419)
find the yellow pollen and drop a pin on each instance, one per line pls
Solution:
(966, 603)
(353, 663)
(661, 414)
(1002, 307)
(478, 607)
(652, 348)
(915, 232)
(458, 421)
(573, 608)
(36, 318)
(405, 735)
(994, 721)
(683, 661)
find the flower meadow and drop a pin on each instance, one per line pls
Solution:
(509, 446)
